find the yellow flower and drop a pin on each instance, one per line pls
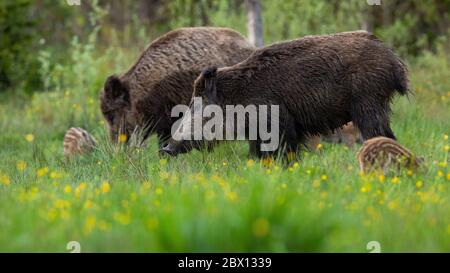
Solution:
(316, 183)
(55, 175)
(42, 171)
(122, 218)
(64, 214)
(158, 191)
(261, 227)
(146, 185)
(89, 224)
(445, 136)
(232, 196)
(133, 196)
(395, 180)
(67, 189)
(419, 184)
(164, 175)
(105, 187)
(29, 137)
(62, 204)
(381, 178)
(319, 146)
(21, 165)
(324, 177)
(104, 226)
(5, 180)
(392, 205)
(78, 189)
(76, 106)
(162, 161)
(440, 174)
(364, 189)
(123, 138)
(152, 223)
(446, 148)
(88, 204)
(448, 176)
(250, 163)
(296, 165)
(267, 162)
(409, 172)
(224, 163)
(52, 214)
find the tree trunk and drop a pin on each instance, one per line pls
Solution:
(254, 22)
(367, 23)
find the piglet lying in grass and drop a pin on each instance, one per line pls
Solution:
(78, 142)
(383, 152)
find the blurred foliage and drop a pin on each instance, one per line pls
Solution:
(17, 60)
(36, 35)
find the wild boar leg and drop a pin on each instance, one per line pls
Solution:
(372, 119)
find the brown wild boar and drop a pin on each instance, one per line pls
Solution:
(319, 83)
(347, 134)
(163, 76)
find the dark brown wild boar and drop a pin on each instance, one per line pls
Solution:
(319, 83)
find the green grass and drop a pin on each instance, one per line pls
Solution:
(115, 200)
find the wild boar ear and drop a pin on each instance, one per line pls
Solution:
(209, 76)
(115, 89)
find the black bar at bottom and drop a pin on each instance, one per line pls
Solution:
(224, 262)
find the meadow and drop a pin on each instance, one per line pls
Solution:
(132, 200)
